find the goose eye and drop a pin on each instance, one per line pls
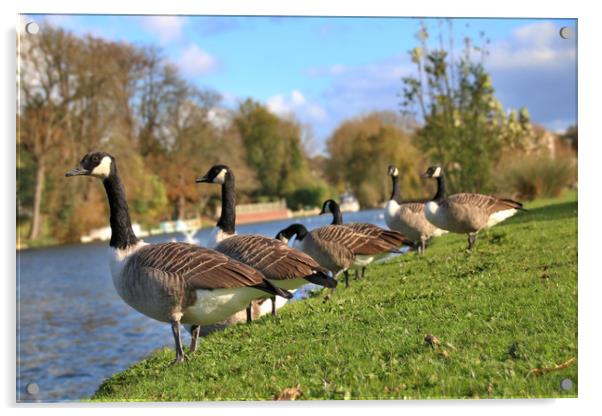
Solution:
(95, 159)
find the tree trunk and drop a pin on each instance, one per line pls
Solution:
(37, 201)
(180, 208)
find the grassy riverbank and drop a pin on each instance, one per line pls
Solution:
(503, 316)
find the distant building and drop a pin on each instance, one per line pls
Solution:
(349, 203)
(550, 143)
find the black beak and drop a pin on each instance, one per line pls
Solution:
(202, 179)
(77, 172)
(425, 175)
(322, 212)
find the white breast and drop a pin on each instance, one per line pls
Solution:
(391, 213)
(217, 235)
(216, 305)
(433, 214)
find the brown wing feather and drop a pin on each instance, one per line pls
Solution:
(272, 257)
(356, 242)
(394, 239)
(490, 204)
(417, 207)
(331, 254)
(198, 267)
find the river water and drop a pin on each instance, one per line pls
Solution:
(73, 330)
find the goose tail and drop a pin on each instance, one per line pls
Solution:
(515, 204)
(272, 289)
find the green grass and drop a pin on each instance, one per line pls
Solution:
(506, 308)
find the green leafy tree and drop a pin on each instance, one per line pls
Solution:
(273, 149)
(465, 127)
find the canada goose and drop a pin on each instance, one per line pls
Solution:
(285, 267)
(171, 282)
(393, 239)
(334, 247)
(466, 213)
(408, 217)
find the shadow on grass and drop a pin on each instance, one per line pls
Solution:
(548, 212)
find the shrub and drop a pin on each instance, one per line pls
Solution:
(537, 176)
(307, 196)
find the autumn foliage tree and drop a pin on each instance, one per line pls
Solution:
(360, 151)
(79, 94)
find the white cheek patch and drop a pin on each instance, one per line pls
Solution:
(395, 172)
(437, 172)
(221, 177)
(103, 170)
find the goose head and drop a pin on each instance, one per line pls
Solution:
(294, 229)
(329, 207)
(98, 164)
(393, 171)
(217, 174)
(433, 172)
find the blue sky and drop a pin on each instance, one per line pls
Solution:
(325, 70)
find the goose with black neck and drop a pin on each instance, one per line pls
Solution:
(408, 217)
(285, 267)
(171, 282)
(466, 213)
(334, 247)
(393, 239)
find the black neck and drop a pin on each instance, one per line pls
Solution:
(300, 230)
(294, 229)
(440, 195)
(337, 217)
(395, 194)
(122, 234)
(227, 220)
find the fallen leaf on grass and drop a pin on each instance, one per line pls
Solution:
(431, 340)
(450, 345)
(291, 393)
(543, 370)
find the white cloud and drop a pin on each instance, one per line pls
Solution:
(298, 98)
(541, 33)
(196, 61)
(534, 67)
(365, 88)
(166, 28)
(297, 104)
(277, 104)
(536, 45)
